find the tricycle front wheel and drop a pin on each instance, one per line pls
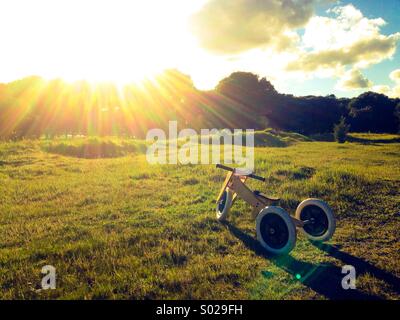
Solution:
(320, 222)
(224, 205)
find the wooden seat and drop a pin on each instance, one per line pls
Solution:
(260, 194)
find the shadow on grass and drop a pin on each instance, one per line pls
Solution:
(324, 279)
(361, 266)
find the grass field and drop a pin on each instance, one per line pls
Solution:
(119, 228)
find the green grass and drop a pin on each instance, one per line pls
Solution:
(116, 227)
(265, 138)
(94, 147)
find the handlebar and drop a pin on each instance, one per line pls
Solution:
(221, 166)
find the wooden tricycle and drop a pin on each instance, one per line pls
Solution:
(276, 229)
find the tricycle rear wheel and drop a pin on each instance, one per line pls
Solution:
(275, 230)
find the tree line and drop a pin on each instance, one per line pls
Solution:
(33, 107)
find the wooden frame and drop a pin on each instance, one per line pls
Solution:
(236, 183)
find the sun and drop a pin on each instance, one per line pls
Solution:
(121, 41)
(112, 69)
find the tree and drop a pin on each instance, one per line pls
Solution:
(32, 106)
(246, 82)
(242, 99)
(306, 115)
(340, 130)
(397, 114)
(247, 88)
(373, 112)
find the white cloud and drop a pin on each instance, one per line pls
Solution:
(226, 26)
(353, 80)
(382, 89)
(349, 25)
(393, 92)
(395, 76)
(349, 39)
